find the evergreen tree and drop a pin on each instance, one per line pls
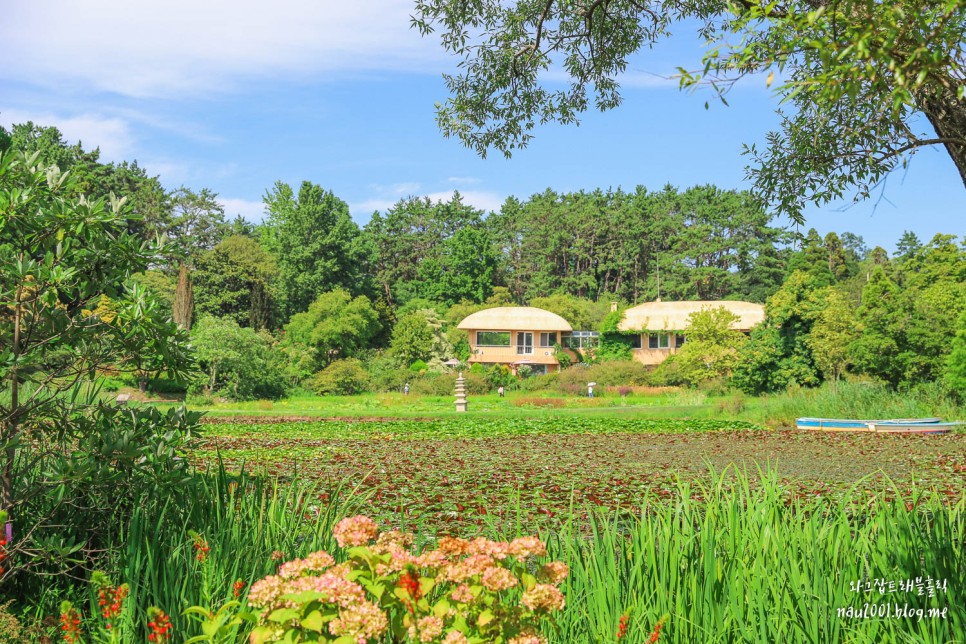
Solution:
(315, 243)
(881, 350)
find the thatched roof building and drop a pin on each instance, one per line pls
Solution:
(513, 318)
(673, 316)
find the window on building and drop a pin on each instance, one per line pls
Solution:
(548, 339)
(679, 341)
(492, 338)
(636, 341)
(583, 340)
(659, 341)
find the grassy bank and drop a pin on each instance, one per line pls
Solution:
(842, 400)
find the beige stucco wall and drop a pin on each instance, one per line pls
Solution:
(508, 355)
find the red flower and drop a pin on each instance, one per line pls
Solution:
(238, 587)
(201, 548)
(110, 600)
(411, 584)
(622, 627)
(70, 624)
(656, 633)
(159, 626)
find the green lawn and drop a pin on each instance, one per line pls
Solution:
(774, 411)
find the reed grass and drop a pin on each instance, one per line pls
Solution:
(736, 559)
(855, 400)
(742, 565)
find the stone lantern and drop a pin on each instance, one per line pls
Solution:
(461, 393)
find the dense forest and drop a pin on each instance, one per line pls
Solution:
(309, 299)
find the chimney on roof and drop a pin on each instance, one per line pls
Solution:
(613, 307)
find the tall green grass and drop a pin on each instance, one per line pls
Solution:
(741, 565)
(243, 519)
(854, 400)
(733, 560)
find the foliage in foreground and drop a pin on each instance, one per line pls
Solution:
(738, 559)
(461, 592)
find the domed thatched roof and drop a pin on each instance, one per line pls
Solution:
(673, 316)
(515, 318)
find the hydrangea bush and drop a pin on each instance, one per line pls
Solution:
(462, 592)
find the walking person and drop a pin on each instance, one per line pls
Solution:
(406, 389)
(590, 390)
(500, 391)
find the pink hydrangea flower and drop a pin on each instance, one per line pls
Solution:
(455, 637)
(355, 531)
(362, 621)
(470, 567)
(426, 629)
(528, 638)
(452, 545)
(399, 560)
(497, 579)
(543, 597)
(314, 563)
(462, 594)
(481, 546)
(527, 546)
(553, 572)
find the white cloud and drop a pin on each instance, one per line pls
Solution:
(111, 134)
(487, 201)
(462, 180)
(251, 210)
(367, 207)
(185, 47)
(406, 188)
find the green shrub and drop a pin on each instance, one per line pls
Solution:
(342, 378)
(606, 374)
(239, 363)
(539, 383)
(434, 384)
(500, 375)
(78, 500)
(165, 386)
(666, 374)
(714, 386)
(476, 384)
(109, 384)
(418, 367)
(10, 631)
(562, 356)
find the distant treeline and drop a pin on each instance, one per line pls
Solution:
(311, 285)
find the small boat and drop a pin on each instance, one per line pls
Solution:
(889, 426)
(834, 424)
(898, 427)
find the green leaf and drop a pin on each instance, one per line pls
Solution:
(313, 622)
(529, 581)
(283, 615)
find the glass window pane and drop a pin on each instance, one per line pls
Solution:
(492, 338)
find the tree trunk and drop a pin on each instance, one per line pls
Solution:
(947, 114)
(184, 300)
(10, 426)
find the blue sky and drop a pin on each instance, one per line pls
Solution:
(235, 95)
